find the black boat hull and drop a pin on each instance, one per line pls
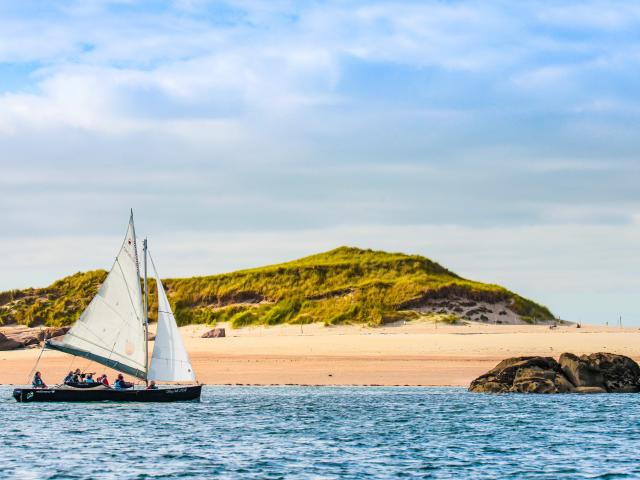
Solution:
(171, 394)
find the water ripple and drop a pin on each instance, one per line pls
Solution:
(327, 433)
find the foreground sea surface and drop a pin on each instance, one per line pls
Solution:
(326, 432)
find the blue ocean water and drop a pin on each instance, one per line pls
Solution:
(325, 433)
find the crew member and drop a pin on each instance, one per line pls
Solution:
(120, 384)
(37, 381)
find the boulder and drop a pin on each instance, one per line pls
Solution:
(537, 380)
(595, 373)
(7, 343)
(524, 375)
(580, 372)
(215, 333)
(25, 337)
(51, 332)
(611, 372)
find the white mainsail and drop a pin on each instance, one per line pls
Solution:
(111, 330)
(170, 361)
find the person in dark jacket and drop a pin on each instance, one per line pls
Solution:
(120, 384)
(37, 381)
(68, 380)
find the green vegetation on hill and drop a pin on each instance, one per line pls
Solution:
(56, 305)
(345, 285)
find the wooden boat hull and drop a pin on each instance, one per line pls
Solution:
(171, 394)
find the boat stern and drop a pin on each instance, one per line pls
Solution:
(18, 394)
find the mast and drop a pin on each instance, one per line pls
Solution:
(146, 315)
(117, 312)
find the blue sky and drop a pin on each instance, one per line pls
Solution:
(498, 138)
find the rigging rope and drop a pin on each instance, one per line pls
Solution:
(37, 362)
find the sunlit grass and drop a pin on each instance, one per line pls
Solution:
(345, 285)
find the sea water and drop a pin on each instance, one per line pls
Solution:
(326, 432)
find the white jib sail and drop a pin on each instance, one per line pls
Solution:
(111, 330)
(170, 361)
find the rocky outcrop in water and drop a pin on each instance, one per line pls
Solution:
(595, 373)
(613, 373)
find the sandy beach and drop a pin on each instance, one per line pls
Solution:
(412, 354)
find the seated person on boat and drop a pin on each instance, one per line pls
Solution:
(120, 384)
(37, 381)
(89, 378)
(152, 385)
(103, 380)
(68, 380)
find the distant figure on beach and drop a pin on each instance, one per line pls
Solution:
(152, 385)
(37, 381)
(120, 384)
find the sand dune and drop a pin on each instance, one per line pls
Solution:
(412, 354)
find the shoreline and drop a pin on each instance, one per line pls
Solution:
(414, 355)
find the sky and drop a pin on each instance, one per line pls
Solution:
(498, 138)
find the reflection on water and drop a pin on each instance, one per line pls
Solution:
(326, 432)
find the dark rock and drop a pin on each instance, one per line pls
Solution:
(26, 337)
(580, 372)
(7, 343)
(614, 373)
(215, 333)
(522, 374)
(595, 373)
(537, 380)
(51, 332)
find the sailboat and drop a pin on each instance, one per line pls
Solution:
(113, 331)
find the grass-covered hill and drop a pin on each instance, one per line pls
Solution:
(345, 285)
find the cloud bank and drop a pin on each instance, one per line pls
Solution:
(499, 138)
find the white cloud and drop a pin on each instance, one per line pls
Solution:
(496, 137)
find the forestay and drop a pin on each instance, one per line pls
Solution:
(170, 361)
(111, 330)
